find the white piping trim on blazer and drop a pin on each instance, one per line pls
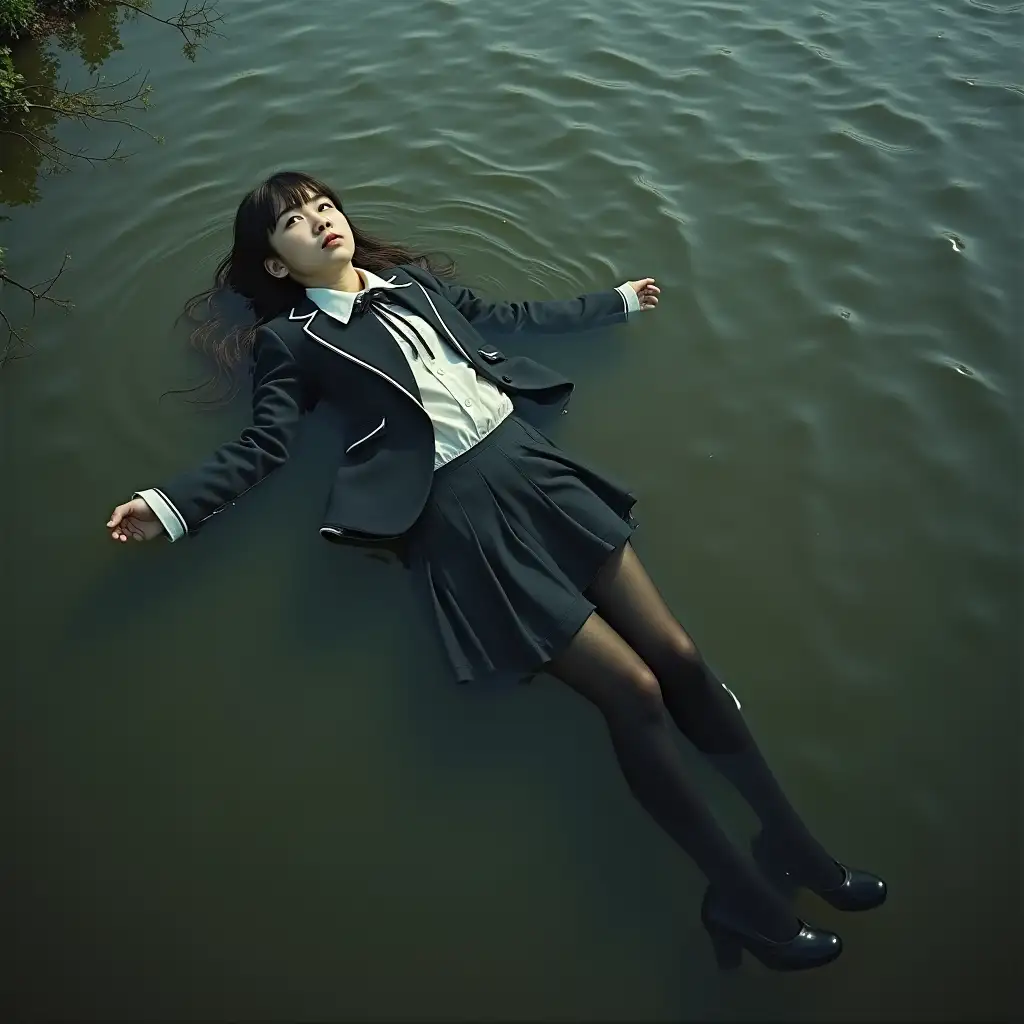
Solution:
(342, 352)
(444, 325)
(376, 430)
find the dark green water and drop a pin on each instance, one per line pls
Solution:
(210, 818)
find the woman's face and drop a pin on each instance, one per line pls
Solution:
(312, 243)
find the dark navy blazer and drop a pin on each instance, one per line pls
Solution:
(386, 461)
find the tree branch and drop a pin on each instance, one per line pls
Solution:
(82, 115)
(12, 332)
(65, 304)
(84, 106)
(37, 296)
(194, 21)
(35, 140)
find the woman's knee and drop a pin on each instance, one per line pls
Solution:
(676, 655)
(601, 666)
(639, 692)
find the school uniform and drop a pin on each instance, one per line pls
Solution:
(442, 451)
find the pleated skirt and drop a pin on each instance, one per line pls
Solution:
(513, 533)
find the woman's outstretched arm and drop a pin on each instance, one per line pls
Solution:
(545, 316)
(182, 504)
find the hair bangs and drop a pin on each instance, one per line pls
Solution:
(285, 191)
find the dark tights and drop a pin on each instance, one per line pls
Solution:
(635, 662)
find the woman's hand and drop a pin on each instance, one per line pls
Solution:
(134, 519)
(646, 291)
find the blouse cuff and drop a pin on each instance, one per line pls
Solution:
(630, 297)
(168, 515)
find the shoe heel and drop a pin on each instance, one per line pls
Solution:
(727, 947)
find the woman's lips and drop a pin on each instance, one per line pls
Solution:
(330, 240)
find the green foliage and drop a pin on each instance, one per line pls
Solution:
(21, 18)
(16, 17)
(10, 81)
(31, 110)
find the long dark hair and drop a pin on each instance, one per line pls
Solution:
(242, 272)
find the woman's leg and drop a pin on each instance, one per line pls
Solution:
(705, 711)
(602, 667)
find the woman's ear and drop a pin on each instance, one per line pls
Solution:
(275, 268)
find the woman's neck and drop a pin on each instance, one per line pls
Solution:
(349, 280)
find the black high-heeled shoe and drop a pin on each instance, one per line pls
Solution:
(730, 935)
(859, 890)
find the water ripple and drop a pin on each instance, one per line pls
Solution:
(820, 417)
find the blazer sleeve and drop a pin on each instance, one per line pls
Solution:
(279, 400)
(542, 316)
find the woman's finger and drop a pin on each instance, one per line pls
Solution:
(119, 513)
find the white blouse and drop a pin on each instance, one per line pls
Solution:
(463, 407)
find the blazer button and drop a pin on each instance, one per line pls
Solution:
(507, 379)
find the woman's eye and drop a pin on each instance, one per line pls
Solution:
(295, 216)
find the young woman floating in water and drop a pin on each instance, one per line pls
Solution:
(520, 550)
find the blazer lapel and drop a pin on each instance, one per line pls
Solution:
(364, 340)
(419, 301)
